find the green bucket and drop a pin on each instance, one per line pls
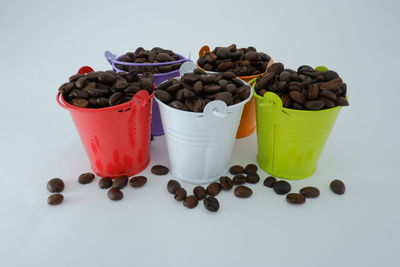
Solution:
(290, 141)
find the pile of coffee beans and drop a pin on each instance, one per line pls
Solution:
(241, 61)
(100, 89)
(305, 88)
(195, 90)
(155, 55)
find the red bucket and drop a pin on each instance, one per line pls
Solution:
(116, 138)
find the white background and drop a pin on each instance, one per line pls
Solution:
(44, 42)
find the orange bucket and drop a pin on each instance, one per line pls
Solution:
(248, 120)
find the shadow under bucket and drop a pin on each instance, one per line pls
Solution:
(156, 124)
(116, 138)
(200, 144)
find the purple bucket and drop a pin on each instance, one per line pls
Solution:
(156, 124)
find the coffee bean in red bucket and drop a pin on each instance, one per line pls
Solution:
(195, 90)
(304, 89)
(155, 55)
(240, 61)
(102, 89)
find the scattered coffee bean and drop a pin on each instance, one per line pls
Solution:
(239, 179)
(180, 194)
(213, 189)
(120, 182)
(236, 169)
(239, 61)
(115, 194)
(338, 187)
(190, 202)
(252, 178)
(282, 187)
(243, 191)
(172, 186)
(55, 185)
(55, 199)
(294, 198)
(226, 182)
(159, 170)
(155, 55)
(86, 178)
(200, 192)
(305, 88)
(211, 203)
(250, 168)
(310, 192)
(269, 181)
(105, 183)
(137, 181)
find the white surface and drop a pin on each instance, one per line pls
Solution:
(42, 43)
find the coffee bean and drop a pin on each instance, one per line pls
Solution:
(226, 97)
(276, 68)
(269, 181)
(250, 168)
(310, 192)
(86, 178)
(338, 187)
(236, 169)
(239, 179)
(159, 170)
(55, 199)
(252, 178)
(80, 102)
(115, 99)
(282, 187)
(179, 105)
(190, 202)
(213, 189)
(226, 182)
(138, 181)
(107, 78)
(342, 101)
(314, 105)
(105, 183)
(172, 186)
(120, 182)
(294, 198)
(223, 53)
(243, 191)
(180, 194)
(200, 192)
(211, 203)
(332, 84)
(55, 185)
(163, 96)
(115, 194)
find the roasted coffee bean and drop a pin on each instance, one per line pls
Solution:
(115, 194)
(213, 189)
(159, 170)
(55, 199)
(243, 191)
(269, 181)
(107, 78)
(172, 186)
(310, 192)
(211, 203)
(120, 182)
(252, 178)
(138, 181)
(105, 182)
(314, 105)
(115, 99)
(226, 182)
(239, 179)
(282, 187)
(180, 194)
(276, 68)
(80, 102)
(179, 105)
(342, 101)
(226, 97)
(55, 185)
(200, 192)
(332, 84)
(236, 169)
(250, 168)
(338, 187)
(163, 96)
(294, 198)
(190, 202)
(86, 178)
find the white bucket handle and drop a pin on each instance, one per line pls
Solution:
(215, 109)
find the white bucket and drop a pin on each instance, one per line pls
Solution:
(200, 144)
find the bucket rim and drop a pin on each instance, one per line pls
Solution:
(242, 103)
(64, 104)
(180, 60)
(154, 74)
